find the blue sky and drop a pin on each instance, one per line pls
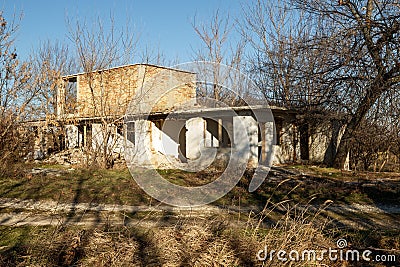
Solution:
(163, 25)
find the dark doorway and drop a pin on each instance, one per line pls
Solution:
(182, 144)
(304, 142)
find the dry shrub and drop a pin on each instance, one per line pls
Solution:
(194, 241)
(188, 243)
(219, 253)
(53, 247)
(16, 142)
(72, 246)
(167, 245)
(106, 249)
(217, 240)
(300, 228)
(283, 226)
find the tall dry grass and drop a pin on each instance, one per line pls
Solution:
(222, 239)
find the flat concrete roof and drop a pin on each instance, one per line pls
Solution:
(124, 66)
(214, 112)
(177, 114)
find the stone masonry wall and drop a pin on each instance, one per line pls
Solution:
(109, 92)
(163, 90)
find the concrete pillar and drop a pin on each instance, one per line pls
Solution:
(144, 142)
(60, 98)
(249, 138)
(263, 143)
(267, 138)
(194, 137)
(346, 166)
(220, 131)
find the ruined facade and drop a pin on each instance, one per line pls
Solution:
(91, 106)
(107, 93)
(170, 129)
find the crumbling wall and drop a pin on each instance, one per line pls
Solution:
(158, 147)
(287, 149)
(320, 142)
(163, 90)
(71, 136)
(109, 92)
(106, 92)
(100, 135)
(146, 150)
(324, 140)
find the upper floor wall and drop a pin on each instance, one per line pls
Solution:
(108, 92)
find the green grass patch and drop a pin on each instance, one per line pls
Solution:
(75, 185)
(116, 186)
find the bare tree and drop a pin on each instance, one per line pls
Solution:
(369, 31)
(219, 49)
(99, 48)
(288, 74)
(49, 62)
(346, 54)
(15, 98)
(155, 56)
(379, 134)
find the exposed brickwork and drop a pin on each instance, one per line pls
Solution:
(109, 92)
(165, 90)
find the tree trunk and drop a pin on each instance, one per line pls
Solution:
(367, 102)
(343, 149)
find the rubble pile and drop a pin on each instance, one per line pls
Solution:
(67, 157)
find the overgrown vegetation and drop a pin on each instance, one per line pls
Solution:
(15, 98)
(293, 209)
(190, 241)
(116, 186)
(217, 240)
(329, 58)
(340, 59)
(332, 60)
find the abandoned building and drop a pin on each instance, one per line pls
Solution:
(171, 126)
